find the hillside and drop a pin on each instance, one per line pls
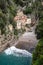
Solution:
(8, 10)
(9, 34)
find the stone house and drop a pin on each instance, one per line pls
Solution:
(22, 20)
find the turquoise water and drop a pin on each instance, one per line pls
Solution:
(14, 60)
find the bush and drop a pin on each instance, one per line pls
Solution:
(28, 10)
(7, 13)
(18, 2)
(40, 14)
(39, 29)
(2, 26)
(3, 6)
(16, 32)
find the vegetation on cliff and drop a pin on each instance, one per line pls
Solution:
(7, 13)
(38, 52)
(39, 27)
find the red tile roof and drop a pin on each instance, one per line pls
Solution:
(22, 18)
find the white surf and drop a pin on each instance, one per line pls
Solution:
(17, 52)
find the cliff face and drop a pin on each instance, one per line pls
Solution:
(6, 41)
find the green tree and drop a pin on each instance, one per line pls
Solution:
(7, 13)
(38, 54)
(39, 29)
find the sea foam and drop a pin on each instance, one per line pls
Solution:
(17, 52)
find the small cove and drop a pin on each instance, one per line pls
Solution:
(14, 56)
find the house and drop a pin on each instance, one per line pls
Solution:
(21, 20)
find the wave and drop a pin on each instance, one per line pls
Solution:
(17, 52)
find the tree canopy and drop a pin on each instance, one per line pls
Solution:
(38, 54)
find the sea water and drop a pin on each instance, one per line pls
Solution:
(14, 56)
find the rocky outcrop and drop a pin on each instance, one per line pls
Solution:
(27, 41)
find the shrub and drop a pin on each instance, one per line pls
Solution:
(28, 10)
(39, 29)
